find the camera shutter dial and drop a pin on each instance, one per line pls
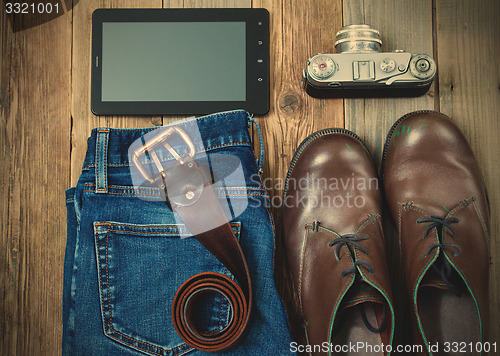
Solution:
(422, 66)
(322, 66)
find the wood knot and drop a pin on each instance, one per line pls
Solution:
(157, 121)
(289, 102)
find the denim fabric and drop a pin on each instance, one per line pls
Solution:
(127, 254)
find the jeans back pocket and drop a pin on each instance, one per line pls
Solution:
(140, 268)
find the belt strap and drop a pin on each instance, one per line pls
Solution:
(191, 196)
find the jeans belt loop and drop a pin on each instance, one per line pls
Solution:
(101, 168)
(260, 161)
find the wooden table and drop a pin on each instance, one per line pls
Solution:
(46, 118)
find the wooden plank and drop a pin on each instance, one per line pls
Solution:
(83, 120)
(299, 30)
(468, 38)
(406, 25)
(35, 97)
(8, 243)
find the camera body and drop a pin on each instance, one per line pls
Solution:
(360, 70)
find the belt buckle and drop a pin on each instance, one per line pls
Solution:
(161, 138)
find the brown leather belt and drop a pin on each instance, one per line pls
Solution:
(191, 196)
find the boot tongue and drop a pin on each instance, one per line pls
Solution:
(444, 281)
(432, 279)
(361, 292)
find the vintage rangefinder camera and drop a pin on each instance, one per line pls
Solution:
(360, 70)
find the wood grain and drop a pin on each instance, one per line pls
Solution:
(468, 38)
(35, 134)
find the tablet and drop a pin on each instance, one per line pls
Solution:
(179, 61)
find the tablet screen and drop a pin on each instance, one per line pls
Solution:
(179, 61)
(173, 61)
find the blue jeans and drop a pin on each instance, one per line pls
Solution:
(127, 253)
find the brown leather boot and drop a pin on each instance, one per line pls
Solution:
(437, 198)
(335, 248)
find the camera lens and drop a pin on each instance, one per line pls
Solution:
(358, 39)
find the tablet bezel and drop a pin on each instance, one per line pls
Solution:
(257, 61)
